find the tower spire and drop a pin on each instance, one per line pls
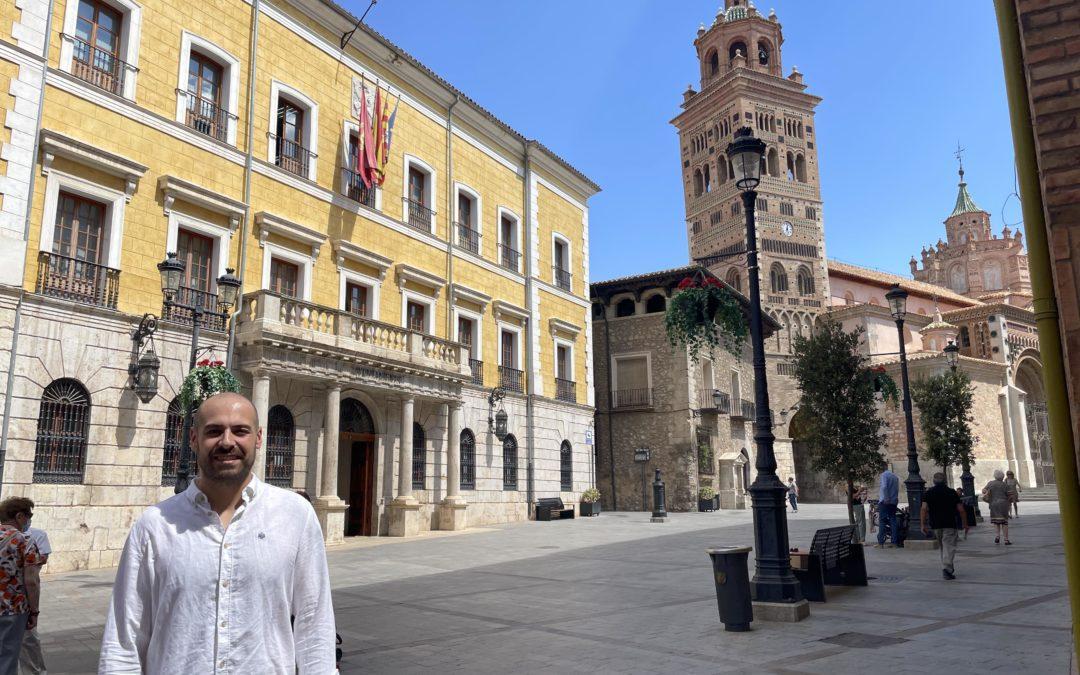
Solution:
(964, 202)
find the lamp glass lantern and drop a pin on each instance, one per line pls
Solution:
(952, 354)
(500, 424)
(146, 376)
(745, 154)
(228, 287)
(897, 298)
(172, 271)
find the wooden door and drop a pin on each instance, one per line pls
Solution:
(358, 518)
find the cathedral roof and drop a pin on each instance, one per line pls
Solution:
(910, 285)
(964, 202)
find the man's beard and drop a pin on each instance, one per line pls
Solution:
(211, 470)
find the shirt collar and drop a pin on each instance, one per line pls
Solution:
(196, 496)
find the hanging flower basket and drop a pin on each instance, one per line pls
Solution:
(704, 315)
(885, 385)
(206, 379)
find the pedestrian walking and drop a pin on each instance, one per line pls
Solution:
(1012, 488)
(938, 512)
(996, 493)
(209, 578)
(793, 494)
(31, 657)
(20, 581)
(888, 497)
(858, 501)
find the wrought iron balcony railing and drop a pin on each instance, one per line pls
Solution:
(565, 390)
(352, 186)
(98, 67)
(207, 117)
(419, 216)
(212, 318)
(468, 238)
(291, 156)
(509, 257)
(632, 398)
(562, 277)
(69, 278)
(477, 368)
(512, 379)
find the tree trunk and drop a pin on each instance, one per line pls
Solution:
(850, 508)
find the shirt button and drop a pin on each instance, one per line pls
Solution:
(224, 624)
(226, 544)
(222, 663)
(225, 584)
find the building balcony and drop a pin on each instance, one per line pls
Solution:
(708, 399)
(207, 117)
(631, 398)
(98, 67)
(562, 277)
(744, 410)
(275, 324)
(477, 368)
(352, 186)
(566, 390)
(420, 216)
(291, 156)
(509, 257)
(77, 280)
(211, 319)
(467, 238)
(512, 379)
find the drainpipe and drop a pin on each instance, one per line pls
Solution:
(530, 331)
(9, 387)
(611, 397)
(242, 262)
(1045, 304)
(449, 214)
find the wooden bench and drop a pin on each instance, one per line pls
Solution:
(832, 560)
(552, 508)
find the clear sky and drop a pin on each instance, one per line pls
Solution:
(598, 82)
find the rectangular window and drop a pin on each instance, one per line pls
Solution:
(464, 209)
(763, 205)
(508, 253)
(416, 185)
(80, 228)
(507, 352)
(811, 213)
(631, 382)
(465, 334)
(96, 49)
(416, 314)
(197, 253)
(291, 153)
(353, 186)
(356, 299)
(284, 278)
(561, 265)
(562, 362)
(787, 209)
(204, 112)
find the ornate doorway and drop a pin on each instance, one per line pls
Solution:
(358, 442)
(1039, 438)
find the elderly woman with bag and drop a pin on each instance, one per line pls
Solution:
(996, 493)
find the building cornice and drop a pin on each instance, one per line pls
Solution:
(506, 310)
(459, 292)
(346, 250)
(407, 273)
(268, 223)
(55, 144)
(173, 188)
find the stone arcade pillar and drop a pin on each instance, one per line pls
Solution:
(328, 506)
(452, 508)
(260, 398)
(405, 509)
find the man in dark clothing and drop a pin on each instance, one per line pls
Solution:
(939, 508)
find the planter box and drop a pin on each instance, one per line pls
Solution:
(588, 509)
(707, 504)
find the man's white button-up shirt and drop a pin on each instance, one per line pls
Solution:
(193, 597)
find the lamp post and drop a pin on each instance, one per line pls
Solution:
(773, 580)
(914, 483)
(967, 479)
(172, 272)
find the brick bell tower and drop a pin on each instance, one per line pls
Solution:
(742, 84)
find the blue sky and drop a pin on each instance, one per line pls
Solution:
(599, 80)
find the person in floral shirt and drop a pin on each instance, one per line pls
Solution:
(20, 583)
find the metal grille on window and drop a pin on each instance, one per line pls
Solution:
(566, 466)
(280, 432)
(355, 417)
(174, 428)
(510, 463)
(419, 457)
(468, 460)
(62, 430)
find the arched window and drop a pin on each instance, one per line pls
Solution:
(805, 281)
(734, 279)
(655, 303)
(849, 298)
(355, 418)
(280, 433)
(713, 60)
(707, 179)
(763, 53)
(721, 168)
(790, 166)
(699, 184)
(566, 467)
(874, 302)
(419, 457)
(800, 168)
(510, 463)
(174, 429)
(468, 460)
(778, 278)
(597, 310)
(62, 430)
(737, 48)
(773, 162)
(626, 307)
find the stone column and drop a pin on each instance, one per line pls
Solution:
(1025, 466)
(260, 398)
(405, 509)
(328, 506)
(452, 509)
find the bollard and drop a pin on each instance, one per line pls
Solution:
(732, 586)
(659, 512)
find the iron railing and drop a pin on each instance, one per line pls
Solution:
(98, 67)
(632, 398)
(61, 276)
(562, 277)
(748, 409)
(510, 464)
(566, 468)
(419, 216)
(207, 117)
(291, 156)
(352, 185)
(63, 431)
(714, 399)
(212, 316)
(509, 257)
(468, 461)
(477, 368)
(512, 379)
(565, 390)
(468, 238)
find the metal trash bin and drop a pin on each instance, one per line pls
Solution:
(732, 586)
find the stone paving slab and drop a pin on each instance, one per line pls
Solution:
(620, 594)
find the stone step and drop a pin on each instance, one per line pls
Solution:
(1045, 493)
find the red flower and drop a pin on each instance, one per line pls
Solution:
(203, 363)
(216, 364)
(686, 283)
(878, 369)
(710, 281)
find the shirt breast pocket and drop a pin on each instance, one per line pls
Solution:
(275, 555)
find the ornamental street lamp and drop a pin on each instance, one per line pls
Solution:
(172, 272)
(773, 580)
(897, 298)
(497, 421)
(952, 355)
(967, 479)
(144, 372)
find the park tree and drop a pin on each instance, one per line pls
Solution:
(843, 431)
(945, 402)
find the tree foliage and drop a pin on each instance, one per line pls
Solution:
(945, 402)
(841, 425)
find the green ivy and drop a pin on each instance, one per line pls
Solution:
(203, 382)
(886, 386)
(703, 316)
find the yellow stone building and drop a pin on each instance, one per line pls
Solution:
(372, 324)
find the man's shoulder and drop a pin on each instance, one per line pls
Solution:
(284, 499)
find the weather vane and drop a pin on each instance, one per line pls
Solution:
(959, 154)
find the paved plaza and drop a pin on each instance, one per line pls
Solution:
(618, 594)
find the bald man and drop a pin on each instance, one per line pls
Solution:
(209, 578)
